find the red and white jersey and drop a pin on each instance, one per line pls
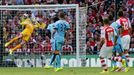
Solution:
(108, 34)
(125, 24)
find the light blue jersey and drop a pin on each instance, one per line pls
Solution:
(50, 28)
(61, 27)
(116, 28)
(118, 47)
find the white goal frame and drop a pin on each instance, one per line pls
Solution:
(51, 7)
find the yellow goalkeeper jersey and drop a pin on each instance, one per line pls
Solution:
(29, 28)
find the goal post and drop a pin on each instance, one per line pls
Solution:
(80, 23)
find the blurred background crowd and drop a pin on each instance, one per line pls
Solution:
(40, 43)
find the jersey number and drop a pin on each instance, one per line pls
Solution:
(110, 34)
(62, 27)
(125, 25)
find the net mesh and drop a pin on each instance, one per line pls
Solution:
(37, 51)
(82, 31)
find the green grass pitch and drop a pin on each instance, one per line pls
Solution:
(65, 71)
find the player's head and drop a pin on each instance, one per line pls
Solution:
(61, 15)
(111, 18)
(106, 21)
(55, 19)
(25, 15)
(120, 14)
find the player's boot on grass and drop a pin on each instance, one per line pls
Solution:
(7, 44)
(127, 69)
(47, 67)
(103, 71)
(124, 65)
(114, 68)
(58, 69)
(10, 52)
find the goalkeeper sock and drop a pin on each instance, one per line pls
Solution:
(16, 47)
(52, 58)
(58, 59)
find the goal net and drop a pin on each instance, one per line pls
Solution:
(37, 51)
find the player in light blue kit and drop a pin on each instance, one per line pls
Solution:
(49, 32)
(60, 30)
(117, 48)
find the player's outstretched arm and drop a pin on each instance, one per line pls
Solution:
(39, 25)
(36, 25)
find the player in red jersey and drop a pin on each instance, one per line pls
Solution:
(106, 44)
(125, 34)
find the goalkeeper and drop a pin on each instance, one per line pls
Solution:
(29, 26)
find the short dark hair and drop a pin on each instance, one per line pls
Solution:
(62, 14)
(120, 13)
(110, 17)
(55, 19)
(106, 21)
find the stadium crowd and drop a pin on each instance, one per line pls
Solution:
(40, 43)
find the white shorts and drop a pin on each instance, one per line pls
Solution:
(106, 52)
(125, 41)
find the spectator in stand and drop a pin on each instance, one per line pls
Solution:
(67, 49)
(46, 44)
(88, 48)
(19, 2)
(27, 2)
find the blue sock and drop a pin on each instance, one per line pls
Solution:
(58, 59)
(55, 64)
(52, 59)
(124, 57)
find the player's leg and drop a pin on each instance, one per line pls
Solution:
(52, 58)
(120, 61)
(127, 60)
(25, 38)
(104, 52)
(51, 61)
(126, 43)
(126, 48)
(53, 55)
(113, 55)
(17, 47)
(126, 53)
(121, 53)
(14, 39)
(114, 63)
(58, 55)
(120, 58)
(103, 64)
